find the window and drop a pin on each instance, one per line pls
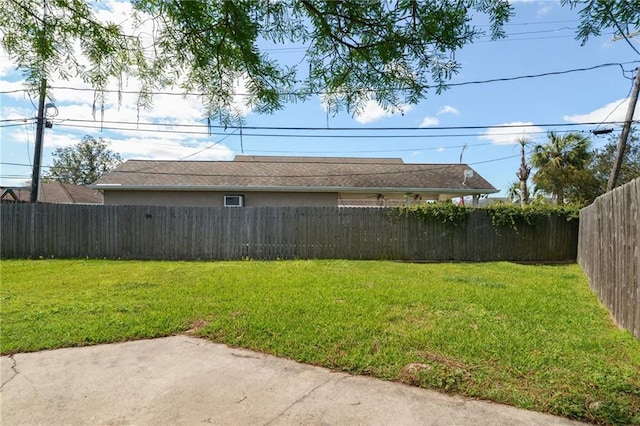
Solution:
(234, 200)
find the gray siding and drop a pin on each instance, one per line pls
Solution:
(216, 199)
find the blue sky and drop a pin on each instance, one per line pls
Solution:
(540, 39)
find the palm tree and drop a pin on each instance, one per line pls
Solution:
(513, 192)
(559, 161)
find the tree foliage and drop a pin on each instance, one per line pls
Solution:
(514, 194)
(356, 51)
(561, 164)
(604, 158)
(620, 16)
(83, 163)
(583, 184)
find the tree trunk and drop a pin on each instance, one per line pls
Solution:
(524, 193)
(523, 174)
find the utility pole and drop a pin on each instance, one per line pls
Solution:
(37, 155)
(622, 144)
(41, 119)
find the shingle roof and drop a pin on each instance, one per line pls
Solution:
(294, 173)
(57, 193)
(283, 159)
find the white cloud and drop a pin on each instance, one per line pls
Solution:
(17, 87)
(6, 67)
(372, 111)
(611, 112)
(429, 121)
(544, 10)
(509, 133)
(545, 6)
(18, 113)
(150, 147)
(158, 148)
(113, 11)
(55, 140)
(448, 109)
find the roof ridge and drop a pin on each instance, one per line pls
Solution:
(66, 190)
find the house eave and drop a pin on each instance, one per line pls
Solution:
(338, 189)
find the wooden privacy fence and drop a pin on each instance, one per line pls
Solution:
(154, 232)
(609, 252)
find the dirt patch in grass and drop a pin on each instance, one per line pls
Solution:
(196, 326)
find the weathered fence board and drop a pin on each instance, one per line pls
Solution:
(609, 252)
(154, 232)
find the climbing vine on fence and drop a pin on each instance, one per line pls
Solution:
(512, 215)
(445, 212)
(502, 214)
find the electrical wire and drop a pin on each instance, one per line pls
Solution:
(24, 119)
(334, 136)
(28, 137)
(614, 109)
(370, 151)
(331, 129)
(15, 177)
(208, 147)
(58, 129)
(2, 126)
(466, 83)
(546, 74)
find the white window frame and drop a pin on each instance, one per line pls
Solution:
(230, 197)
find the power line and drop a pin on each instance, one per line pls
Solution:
(546, 74)
(466, 83)
(15, 177)
(180, 132)
(340, 136)
(2, 126)
(435, 148)
(324, 130)
(329, 129)
(509, 37)
(615, 108)
(207, 147)
(23, 119)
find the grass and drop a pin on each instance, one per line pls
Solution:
(530, 336)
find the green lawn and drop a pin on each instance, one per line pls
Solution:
(530, 336)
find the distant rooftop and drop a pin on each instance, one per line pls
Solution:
(54, 193)
(310, 174)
